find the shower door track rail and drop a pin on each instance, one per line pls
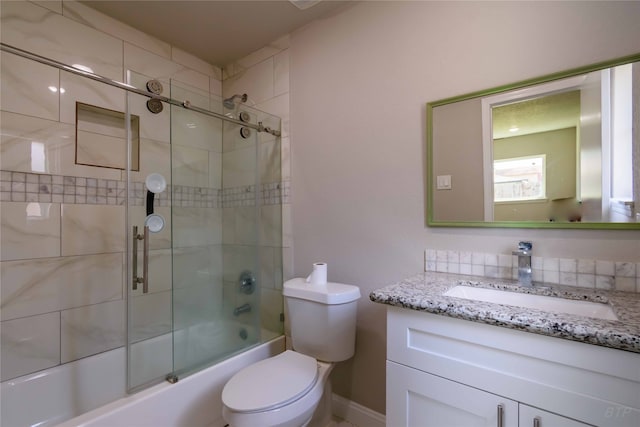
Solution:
(184, 104)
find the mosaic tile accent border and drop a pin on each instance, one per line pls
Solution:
(276, 193)
(587, 273)
(44, 188)
(31, 187)
(185, 196)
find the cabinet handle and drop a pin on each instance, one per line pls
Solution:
(536, 422)
(500, 415)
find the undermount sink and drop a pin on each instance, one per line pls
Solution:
(540, 302)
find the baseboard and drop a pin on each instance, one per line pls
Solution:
(356, 414)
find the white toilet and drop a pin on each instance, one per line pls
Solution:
(285, 390)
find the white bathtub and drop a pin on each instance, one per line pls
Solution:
(57, 395)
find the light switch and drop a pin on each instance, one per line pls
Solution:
(443, 182)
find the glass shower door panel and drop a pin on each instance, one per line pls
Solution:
(241, 230)
(273, 249)
(149, 316)
(202, 328)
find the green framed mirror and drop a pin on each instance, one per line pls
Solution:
(558, 151)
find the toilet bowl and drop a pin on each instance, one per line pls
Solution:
(293, 389)
(282, 391)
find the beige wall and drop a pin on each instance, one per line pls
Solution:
(359, 84)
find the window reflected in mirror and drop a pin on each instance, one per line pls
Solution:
(519, 179)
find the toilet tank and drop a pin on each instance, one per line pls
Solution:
(322, 318)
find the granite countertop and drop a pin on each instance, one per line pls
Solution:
(424, 292)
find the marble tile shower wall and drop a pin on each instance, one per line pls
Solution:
(63, 225)
(588, 273)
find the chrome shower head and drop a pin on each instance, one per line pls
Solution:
(230, 103)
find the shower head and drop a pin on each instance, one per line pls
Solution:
(230, 102)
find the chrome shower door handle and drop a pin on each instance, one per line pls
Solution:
(145, 259)
(134, 259)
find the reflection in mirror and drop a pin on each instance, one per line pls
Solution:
(543, 134)
(554, 152)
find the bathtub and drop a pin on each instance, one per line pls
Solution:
(94, 387)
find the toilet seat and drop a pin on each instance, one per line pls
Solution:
(271, 383)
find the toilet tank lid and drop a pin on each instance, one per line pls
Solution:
(329, 293)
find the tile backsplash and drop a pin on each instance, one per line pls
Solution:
(587, 273)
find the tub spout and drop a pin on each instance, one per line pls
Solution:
(242, 309)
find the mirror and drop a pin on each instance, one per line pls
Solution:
(559, 151)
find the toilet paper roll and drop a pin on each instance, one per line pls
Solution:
(319, 274)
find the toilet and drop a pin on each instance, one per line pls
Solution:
(293, 389)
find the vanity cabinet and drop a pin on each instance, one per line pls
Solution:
(443, 371)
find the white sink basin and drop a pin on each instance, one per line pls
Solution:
(540, 302)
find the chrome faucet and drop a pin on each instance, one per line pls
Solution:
(524, 263)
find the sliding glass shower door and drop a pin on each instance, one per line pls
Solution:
(148, 281)
(209, 322)
(194, 225)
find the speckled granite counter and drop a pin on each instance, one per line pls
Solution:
(424, 292)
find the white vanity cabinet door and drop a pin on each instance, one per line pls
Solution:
(545, 419)
(419, 399)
